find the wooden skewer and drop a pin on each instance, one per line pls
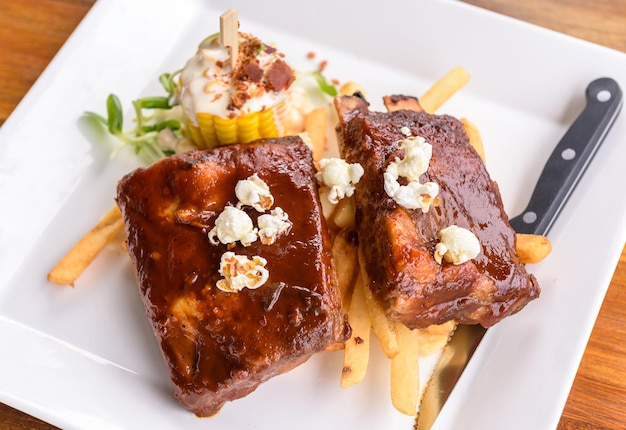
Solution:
(229, 26)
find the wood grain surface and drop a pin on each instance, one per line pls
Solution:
(32, 31)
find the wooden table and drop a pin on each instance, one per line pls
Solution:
(32, 31)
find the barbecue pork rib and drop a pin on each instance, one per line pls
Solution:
(398, 244)
(220, 346)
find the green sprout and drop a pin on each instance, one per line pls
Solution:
(322, 82)
(150, 119)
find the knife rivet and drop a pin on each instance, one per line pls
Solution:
(568, 154)
(529, 217)
(603, 96)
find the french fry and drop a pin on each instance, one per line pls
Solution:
(345, 255)
(474, 136)
(435, 337)
(343, 217)
(443, 89)
(357, 348)
(328, 208)
(67, 271)
(532, 248)
(315, 127)
(350, 88)
(405, 381)
(384, 329)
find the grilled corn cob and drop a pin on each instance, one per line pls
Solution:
(214, 131)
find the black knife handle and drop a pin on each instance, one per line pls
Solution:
(570, 158)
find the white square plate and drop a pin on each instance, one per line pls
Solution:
(86, 357)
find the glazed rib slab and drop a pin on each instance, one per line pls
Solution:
(220, 346)
(405, 278)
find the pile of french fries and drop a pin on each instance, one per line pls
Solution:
(402, 346)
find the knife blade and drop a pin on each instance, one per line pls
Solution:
(558, 179)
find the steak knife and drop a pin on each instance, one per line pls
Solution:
(561, 173)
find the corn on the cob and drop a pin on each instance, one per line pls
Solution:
(195, 134)
(225, 129)
(248, 127)
(267, 123)
(214, 130)
(206, 123)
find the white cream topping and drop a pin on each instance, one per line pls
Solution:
(206, 84)
(240, 272)
(340, 176)
(417, 155)
(233, 225)
(254, 192)
(456, 245)
(273, 225)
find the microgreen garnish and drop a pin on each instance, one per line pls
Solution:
(168, 83)
(207, 41)
(152, 115)
(152, 103)
(323, 83)
(115, 118)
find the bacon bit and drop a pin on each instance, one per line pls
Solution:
(238, 99)
(280, 76)
(322, 65)
(335, 81)
(254, 71)
(310, 55)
